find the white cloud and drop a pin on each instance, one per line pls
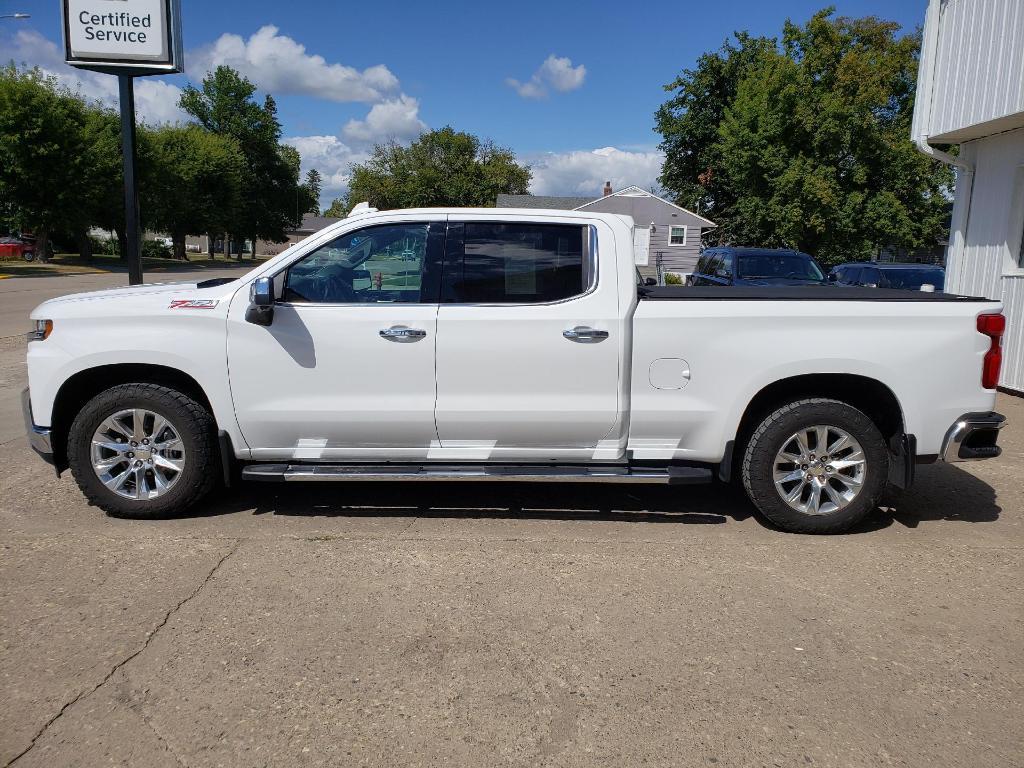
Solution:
(156, 101)
(278, 64)
(397, 118)
(585, 172)
(332, 158)
(557, 73)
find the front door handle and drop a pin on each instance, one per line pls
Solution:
(584, 334)
(402, 333)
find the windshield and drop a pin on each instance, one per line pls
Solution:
(913, 278)
(792, 266)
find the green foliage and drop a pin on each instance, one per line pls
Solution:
(441, 168)
(192, 181)
(154, 249)
(106, 246)
(338, 208)
(805, 143)
(311, 190)
(671, 278)
(271, 200)
(44, 153)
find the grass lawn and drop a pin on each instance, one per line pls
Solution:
(72, 264)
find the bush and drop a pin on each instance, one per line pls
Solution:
(671, 278)
(154, 249)
(107, 246)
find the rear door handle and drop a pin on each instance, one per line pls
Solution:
(402, 333)
(584, 334)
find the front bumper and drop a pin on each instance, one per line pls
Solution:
(38, 437)
(972, 437)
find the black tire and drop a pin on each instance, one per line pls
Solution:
(191, 420)
(769, 438)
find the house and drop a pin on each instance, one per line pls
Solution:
(671, 234)
(970, 92)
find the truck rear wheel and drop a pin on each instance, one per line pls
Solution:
(143, 451)
(815, 466)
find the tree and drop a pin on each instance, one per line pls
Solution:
(191, 181)
(44, 157)
(102, 205)
(270, 186)
(311, 189)
(689, 121)
(338, 208)
(441, 168)
(812, 148)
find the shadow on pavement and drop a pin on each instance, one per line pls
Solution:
(711, 504)
(942, 492)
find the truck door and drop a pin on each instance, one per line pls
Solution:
(528, 342)
(346, 369)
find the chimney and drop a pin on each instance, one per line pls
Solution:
(607, 189)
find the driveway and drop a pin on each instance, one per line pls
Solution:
(491, 624)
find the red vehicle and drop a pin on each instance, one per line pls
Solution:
(18, 248)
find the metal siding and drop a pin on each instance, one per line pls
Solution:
(984, 267)
(1012, 375)
(979, 68)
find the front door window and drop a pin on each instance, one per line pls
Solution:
(372, 265)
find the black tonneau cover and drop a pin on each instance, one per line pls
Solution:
(793, 292)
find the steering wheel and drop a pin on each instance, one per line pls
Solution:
(335, 290)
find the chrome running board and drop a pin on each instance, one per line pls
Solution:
(507, 473)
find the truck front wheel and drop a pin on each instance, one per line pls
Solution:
(143, 451)
(815, 466)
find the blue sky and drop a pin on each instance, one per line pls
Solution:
(570, 87)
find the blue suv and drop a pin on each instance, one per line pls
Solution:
(726, 265)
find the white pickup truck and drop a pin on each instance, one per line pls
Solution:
(508, 345)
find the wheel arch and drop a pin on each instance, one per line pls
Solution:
(871, 396)
(84, 385)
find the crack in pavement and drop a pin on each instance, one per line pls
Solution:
(149, 639)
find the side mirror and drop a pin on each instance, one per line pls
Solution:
(831, 277)
(650, 281)
(261, 302)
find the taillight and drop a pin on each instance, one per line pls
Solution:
(992, 326)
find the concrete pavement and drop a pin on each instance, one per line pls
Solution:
(547, 625)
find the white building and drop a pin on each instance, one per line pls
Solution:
(970, 92)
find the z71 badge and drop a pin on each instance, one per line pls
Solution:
(193, 303)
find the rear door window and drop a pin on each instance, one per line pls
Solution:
(512, 263)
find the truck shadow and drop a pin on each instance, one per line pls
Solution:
(942, 493)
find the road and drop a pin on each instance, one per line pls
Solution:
(492, 624)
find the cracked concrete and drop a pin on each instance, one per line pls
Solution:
(121, 663)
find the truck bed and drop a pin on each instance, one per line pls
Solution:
(795, 292)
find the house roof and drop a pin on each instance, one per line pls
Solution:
(541, 201)
(582, 203)
(635, 191)
(315, 223)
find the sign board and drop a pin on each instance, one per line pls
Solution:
(132, 37)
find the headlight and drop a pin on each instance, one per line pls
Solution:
(42, 330)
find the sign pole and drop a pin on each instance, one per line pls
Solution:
(133, 237)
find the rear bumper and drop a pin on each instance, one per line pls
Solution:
(972, 437)
(38, 437)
